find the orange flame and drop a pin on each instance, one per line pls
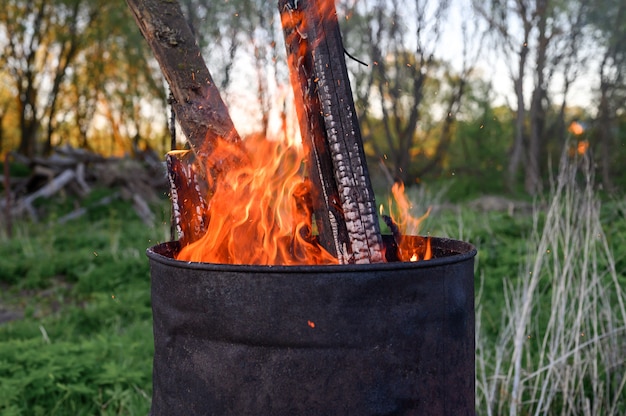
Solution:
(409, 249)
(259, 210)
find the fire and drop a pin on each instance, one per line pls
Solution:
(408, 249)
(259, 210)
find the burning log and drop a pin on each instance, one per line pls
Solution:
(345, 210)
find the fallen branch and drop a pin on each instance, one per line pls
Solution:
(56, 184)
(79, 212)
(139, 180)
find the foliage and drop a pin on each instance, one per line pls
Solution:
(475, 162)
(87, 78)
(105, 373)
(64, 62)
(550, 300)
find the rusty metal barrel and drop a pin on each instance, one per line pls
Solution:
(381, 339)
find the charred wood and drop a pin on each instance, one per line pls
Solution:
(331, 131)
(332, 230)
(187, 194)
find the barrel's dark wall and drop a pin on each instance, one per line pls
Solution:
(386, 339)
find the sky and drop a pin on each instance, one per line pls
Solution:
(489, 65)
(493, 67)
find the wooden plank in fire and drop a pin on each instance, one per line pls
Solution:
(345, 209)
(189, 205)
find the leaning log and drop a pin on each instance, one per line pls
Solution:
(329, 126)
(198, 105)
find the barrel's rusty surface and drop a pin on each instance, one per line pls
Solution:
(378, 339)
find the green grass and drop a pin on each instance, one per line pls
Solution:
(85, 345)
(559, 345)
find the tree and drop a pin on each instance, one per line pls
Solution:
(68, 39)
(18, 59)
(128, 80)
(42, 39)
(67, 61)
(407, 84)
(538, 38)
(401, 52)
(609, 20)
(513, 44)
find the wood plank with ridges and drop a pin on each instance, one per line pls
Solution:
(319, 64)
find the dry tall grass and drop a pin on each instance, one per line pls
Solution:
(562, 344)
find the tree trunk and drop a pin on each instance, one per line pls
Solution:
(517, 150)
(532, 179)
(28, 130)
(604, 132)
(532, 182)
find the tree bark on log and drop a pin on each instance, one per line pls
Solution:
(345, 209)
(198, 105)
(201, 112)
